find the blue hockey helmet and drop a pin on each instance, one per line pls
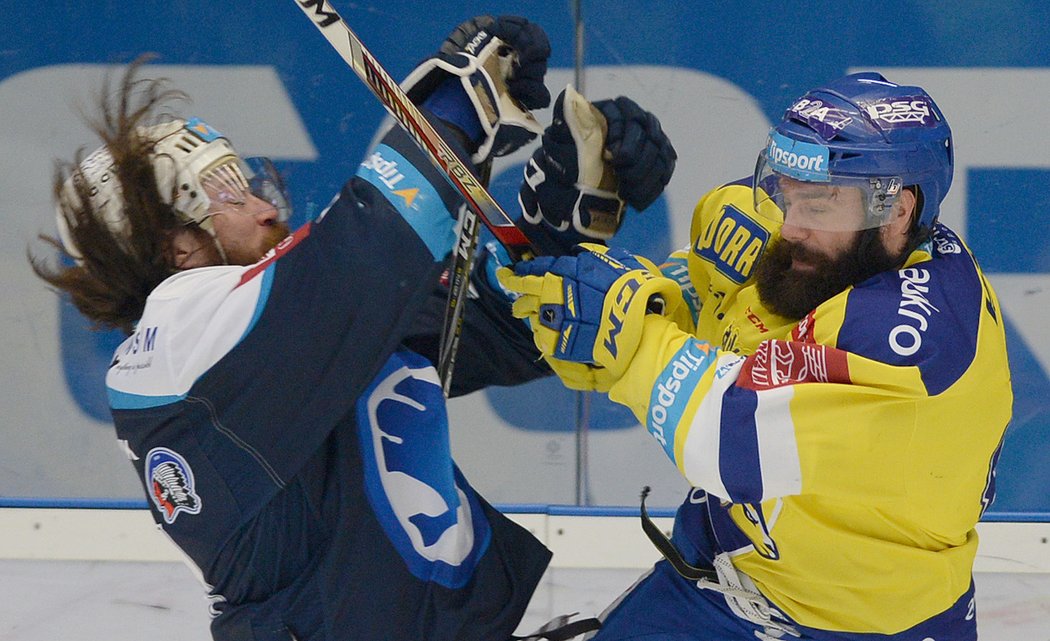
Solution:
(860, 131)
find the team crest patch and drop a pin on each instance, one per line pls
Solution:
(170, 482)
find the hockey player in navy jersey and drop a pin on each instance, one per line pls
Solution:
(288, 440)
(829, 372)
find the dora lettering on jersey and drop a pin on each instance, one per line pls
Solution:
(733, 243)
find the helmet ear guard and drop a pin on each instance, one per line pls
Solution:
(183, 154)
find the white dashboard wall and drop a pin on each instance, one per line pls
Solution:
(579, 538)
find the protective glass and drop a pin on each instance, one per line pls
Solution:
(230, 183)
(796, 186)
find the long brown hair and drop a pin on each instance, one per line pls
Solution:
(115, 273)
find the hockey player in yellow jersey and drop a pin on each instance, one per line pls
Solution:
(829, 373)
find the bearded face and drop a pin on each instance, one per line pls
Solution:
(830, 238)
(793, 279)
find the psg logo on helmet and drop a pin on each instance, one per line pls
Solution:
(170, 482)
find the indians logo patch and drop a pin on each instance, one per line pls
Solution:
(170, 482)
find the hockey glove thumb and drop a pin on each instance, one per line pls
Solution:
(486, 85)
(641, 153)
(588, 308)
(529, 66)
(569, 192)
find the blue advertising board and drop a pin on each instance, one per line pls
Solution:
(717, 74)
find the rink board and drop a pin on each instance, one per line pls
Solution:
(579, 538)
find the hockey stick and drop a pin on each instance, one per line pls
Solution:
(478, 200)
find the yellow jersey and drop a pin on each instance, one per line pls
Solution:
(853, 451)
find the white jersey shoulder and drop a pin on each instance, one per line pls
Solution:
(190, 322)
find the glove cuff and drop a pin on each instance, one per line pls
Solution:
(504, 124)
(551, 241)
(450, 104)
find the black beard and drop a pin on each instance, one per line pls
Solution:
(793, 294)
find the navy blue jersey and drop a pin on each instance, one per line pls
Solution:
(298, 453)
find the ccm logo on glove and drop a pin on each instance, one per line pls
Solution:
(618, 311)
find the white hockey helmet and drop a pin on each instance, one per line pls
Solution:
(184, 154)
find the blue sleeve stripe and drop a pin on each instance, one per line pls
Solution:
(676, 267)
(127, 401)
(738, 459)
(260, 302)
(672, 391)
(413, 196)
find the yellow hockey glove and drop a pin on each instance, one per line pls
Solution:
(581, 376)
(588, 308)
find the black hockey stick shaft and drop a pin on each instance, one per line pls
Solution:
(479, 203)
(458, 290)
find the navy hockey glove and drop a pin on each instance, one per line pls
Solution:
(641, 153)
(532, 49)
(569, 192)
(485, 79)
(589, 308)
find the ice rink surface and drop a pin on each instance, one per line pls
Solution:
(160, 601)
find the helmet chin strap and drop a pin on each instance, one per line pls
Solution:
(180, 264)
(218, 247)
(208, 226)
